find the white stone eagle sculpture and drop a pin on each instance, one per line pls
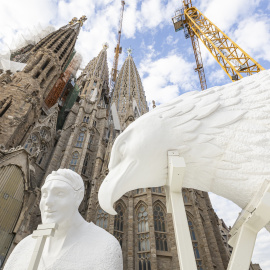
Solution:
(222, 133)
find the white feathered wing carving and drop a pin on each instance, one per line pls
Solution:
(222, 133)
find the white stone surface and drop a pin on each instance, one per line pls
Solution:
(222, 133)
(76, 244)
(175, 205)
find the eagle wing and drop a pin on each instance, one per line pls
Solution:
(223, 134)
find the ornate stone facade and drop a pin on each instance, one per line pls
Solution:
(22, 97)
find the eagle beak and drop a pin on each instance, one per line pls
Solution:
(115, 185)
(105, 197)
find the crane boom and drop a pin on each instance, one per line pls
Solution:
(234, 61)
(117, 49)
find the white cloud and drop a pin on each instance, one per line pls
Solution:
(224, 14)
(253, 36)
(165, 78)
(170, 40)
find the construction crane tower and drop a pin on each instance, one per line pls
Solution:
(232, 59)
(117, 50)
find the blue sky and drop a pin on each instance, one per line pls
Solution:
(164, 59)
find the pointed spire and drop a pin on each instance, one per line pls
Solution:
(128, 92)
(95, 75)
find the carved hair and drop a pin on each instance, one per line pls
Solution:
(68, 176)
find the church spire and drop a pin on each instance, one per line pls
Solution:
(94, 78)
(128, 93)
(23, 98)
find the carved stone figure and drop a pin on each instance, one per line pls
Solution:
(222, 133)
(76, 244)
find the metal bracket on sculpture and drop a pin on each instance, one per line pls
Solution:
(175, 205)
(244, 232)
(43, 231)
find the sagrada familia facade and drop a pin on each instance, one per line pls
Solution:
(49, 119)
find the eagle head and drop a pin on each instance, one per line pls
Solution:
(130, 164)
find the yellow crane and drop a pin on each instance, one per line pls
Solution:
(233, 60)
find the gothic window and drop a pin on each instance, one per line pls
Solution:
(90, 141)
(95, 83)
(136, 113)
(85, 162)
(94, 123)
(43, 151)
(45, 64)
(31, 144)
(102, 218)
(143, 239)
(44, 133)
(50, 71)
(74, 161)
(86, 119)
(195, 245)
(156, 189)
(160, 229)
(80, 140)
(40, 159)
(119, 224)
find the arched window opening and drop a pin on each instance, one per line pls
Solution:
(74, 161)
(50, 71)
(44, 133)
(36, 75)
(85, 163)
(143, 239)
(86, 119)
(80, 140)
(160, 228)
(90, 141)
(195, 245)
(40, 159)
(42, 83)
(119, 224)
(94, 123)
(45, 64)
(102, 219)
(32, 143)
(136, 113)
